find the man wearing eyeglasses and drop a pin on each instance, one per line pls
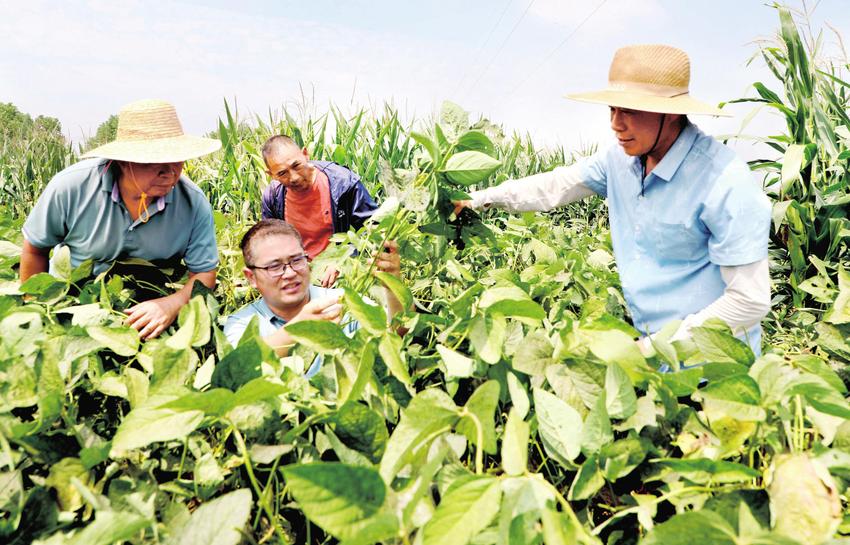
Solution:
(319, 198)
(277, 264)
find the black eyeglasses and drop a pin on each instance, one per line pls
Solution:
(297, 263)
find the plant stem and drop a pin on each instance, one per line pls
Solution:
(261, 497)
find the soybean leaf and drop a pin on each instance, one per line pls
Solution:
(692, 527)
(482, 405)
(430, 146)
(620, 398)
(457, 365)
(109, 527)
(427, 413)
(152, 422)
(372, 318)
(477, 141)
(487, 335)
(515, 444)
(533, 354)
(470, 167)
(588, 480)
(519, 395)
(559, 425)
(390, 349)
(718, 345)
(464, 512)
(706, 471)
(124, 341)
(218, 522)
(737, 397)
(338, 497)
(399, 289)
(194, 322)
(596, 431)
(361, 429)
(318, 335)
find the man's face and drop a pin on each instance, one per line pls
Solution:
(154, 179)
(636, 131)
(289, 166)
(284, 293)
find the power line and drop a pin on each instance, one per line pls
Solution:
(481, 48)
(504, 42)
(523, 81)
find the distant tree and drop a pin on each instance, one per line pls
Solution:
(17, 124)
(105, 133)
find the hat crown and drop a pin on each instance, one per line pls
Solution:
(148, 120)
(659, 70)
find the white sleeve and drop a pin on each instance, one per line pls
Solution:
(543, 191)
(745, 301)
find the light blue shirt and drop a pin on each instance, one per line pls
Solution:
(700, 209)
(82, 209)
(270, 322)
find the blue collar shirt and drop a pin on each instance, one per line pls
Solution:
(699, 209)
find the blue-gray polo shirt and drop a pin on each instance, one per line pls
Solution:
(270, 322)
(699, 209)
(81, 208)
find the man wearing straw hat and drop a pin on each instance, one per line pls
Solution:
(129, 200)
(689, 225)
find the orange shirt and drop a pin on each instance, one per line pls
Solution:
(310, 212)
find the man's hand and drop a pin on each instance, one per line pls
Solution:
(389, 261)
(460, 205)
(329, 277)
(150, 318)
(327, 308)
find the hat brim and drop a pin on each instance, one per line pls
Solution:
(162, 150)
(681, 104)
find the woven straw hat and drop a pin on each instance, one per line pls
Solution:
(149, 132)
(650, 78)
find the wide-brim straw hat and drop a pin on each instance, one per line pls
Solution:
(149, 132)
(650, 78)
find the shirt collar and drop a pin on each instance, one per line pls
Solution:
(672, 160)
(109, 183)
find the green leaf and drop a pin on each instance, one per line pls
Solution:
(614, 346)
(152, 422)
(559, 425)
(692, 527)
(482, 404)
(110, 527)
(839, 311)
(457, 365)
(705, 471)
(792, 163)
(464, 512)
(390, 349)
(597, 431)
(588, 480)
(737, 397)
(427, 413)
(339, 498)
(533, 354)
(475, 141)
(244, 363)
(487, 335)
(61, 477)
(519, 395)
(430, 146)
(361, 429)
(511, 301)
(397, 287)
(194, 322)
(319, 335)
(718, 345)
(124, 341)
(470, 167)
(618, 459)
(372, 318)
(620, 398)
(218, 522)
(515, 444)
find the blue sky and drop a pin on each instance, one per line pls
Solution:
(80, 60)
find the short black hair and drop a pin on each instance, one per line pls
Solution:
(265, 228)
(275, 142)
